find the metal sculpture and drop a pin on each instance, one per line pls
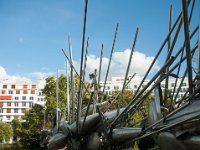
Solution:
(172, 123)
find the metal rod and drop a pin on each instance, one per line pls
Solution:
(149, 69)
(72, 78)
(182, 49)
(57, 102)
(88, 107)
(179, 67)
(68, 99)
(111, 53)
(142, 91)
(170, 52)
(100, 65)
(187, 43)
(85, 62)
(120, 92)
(159, 81)
(158, 53)
(198, 61)
(73, 68)
(126, 110)
(128, 68)
(81, 72)
(169, 43)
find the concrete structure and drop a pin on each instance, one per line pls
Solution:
(17, 98)
(116, 84)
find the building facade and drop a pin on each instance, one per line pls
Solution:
(17, 98)
(116, 84)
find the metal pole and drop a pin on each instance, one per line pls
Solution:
(85, 62)
(81, 72)
(135, 107)
(158, 53)
(127, 70)
(187, 43)
(198, 61)
(57, 102)
(72, 77)
(73, 68)
(68, 99)
(169, 43)
(142, 91)
(110, 57)
(100, 64)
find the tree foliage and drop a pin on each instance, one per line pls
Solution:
(5, 131)
(29, 130)
(50, 94)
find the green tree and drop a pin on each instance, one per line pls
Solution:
(29, 130)
(50, 94)
(5, 131)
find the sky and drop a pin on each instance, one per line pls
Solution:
(32, 34)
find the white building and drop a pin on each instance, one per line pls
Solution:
(116, 84)
(17, 98)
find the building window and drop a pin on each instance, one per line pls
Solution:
(17, 91)
(30, 105)
(23, 97)
(23, 110)
(116, 87)
(15, 104)
(8, 104)
(143, 86)
(184, 84)
(32, 91)
(1, 104)
(135, 86)
(33, 86)
(15, 110)
(13, 86)
(172, 84)
(8, 110)
(4, 86)
(8, 117)
(40, 93)
(16, 98)
(25, 86)
(23, 104)
(3, 92)
(1, 110)
(16, 117)
(31, 98)
(25, 91)
(110, 93)
(10, 92)
(38, 99)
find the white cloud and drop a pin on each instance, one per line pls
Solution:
(2, 72)
(12, 78)
(140, 63)
(36, 76)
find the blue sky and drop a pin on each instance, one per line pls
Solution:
(32, 33)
